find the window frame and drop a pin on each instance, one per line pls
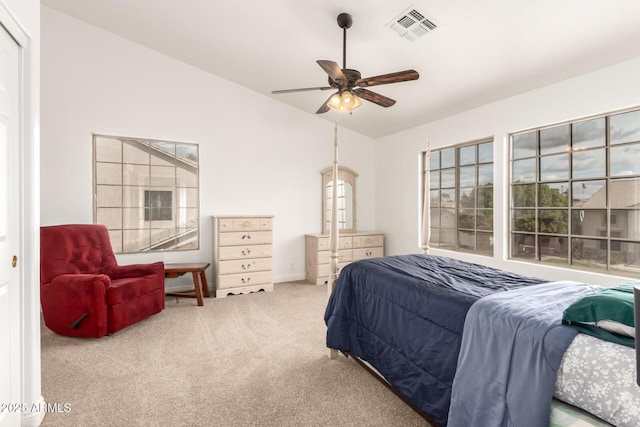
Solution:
(602, 215)
(459, 230)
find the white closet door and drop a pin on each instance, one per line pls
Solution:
(10, 353)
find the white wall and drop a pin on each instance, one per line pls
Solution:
(397, 157)
(257, 155)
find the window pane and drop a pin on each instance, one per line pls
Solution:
(484, 242)
(434, 179)
(553, 168)
(626, 223)
(485, 197)
(448, 218)
(468, 155)
(554, 249)
(466, 218)
(434, 198)
(447, 238)
(435, 217)
(553, 194)
(484, 219)
(624, 160)
(554, 140)
(553, 221)
(589, 164)
(448, 198)
(447, 158)
(434, 160)
(467, 240)
(524, 170)
(523, 246)
(468, 176)
(624, 127)
(467, 197)
(485, 174)
(625, 193)
(434, 236)
(626, 257)
(524, 220)
(524, 145)
(588, 222)
(524, 195)
(485, 152)
(448, 178)
(590, 253)
(589, 133)
(589, 194)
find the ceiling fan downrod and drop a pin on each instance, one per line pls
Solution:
(344, 22)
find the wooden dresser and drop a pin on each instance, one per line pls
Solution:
(351, 247)
(242, 254)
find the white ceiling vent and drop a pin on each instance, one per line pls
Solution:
(412, 24)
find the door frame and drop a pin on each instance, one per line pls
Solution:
(29, 212)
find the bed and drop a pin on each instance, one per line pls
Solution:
(413, 318)
(466, 345)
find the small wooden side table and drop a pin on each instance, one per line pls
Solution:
(171, 271)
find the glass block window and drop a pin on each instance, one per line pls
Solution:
(575, 194)
(461, 197)
(146, 193)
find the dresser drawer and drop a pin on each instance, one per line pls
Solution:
(368, 241)
(344, 242)
(363, 253)
(325, 269)
(324, 257)
(244, 252)
(244, 266)
(236, 238)
(245, 279)
(244, 224)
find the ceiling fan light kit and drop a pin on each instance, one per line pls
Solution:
(347, 101)
(349, 83)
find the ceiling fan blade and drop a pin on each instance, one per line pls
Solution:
(400, 76)
(304, 89)
(376, 98)
(324, 107)
(333, 70)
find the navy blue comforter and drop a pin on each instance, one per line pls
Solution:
(405, 316)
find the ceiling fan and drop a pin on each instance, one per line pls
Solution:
(349, 83)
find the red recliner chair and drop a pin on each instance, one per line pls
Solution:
(83, 290)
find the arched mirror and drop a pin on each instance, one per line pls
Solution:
(346, 196)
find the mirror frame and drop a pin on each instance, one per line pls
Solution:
(347, 175)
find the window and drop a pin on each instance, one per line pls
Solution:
(158, 205)
(575, 194)
(461, 197)
(146, 193)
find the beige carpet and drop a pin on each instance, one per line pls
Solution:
(246, 360)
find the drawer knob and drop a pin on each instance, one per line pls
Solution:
(247, 280)
(246, 251)
(246, 236)
(246, 267)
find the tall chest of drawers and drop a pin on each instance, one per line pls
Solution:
(242, 252)
(351, 247)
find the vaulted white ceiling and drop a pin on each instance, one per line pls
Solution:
(481, 51)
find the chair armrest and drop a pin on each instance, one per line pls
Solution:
(135, 270)
(69, 298)
(82, 283)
